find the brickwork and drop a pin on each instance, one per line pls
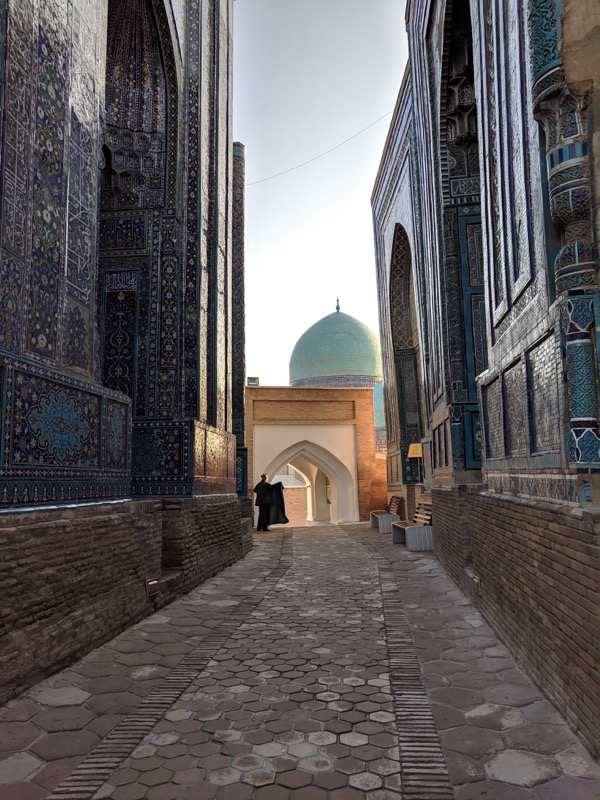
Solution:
(292, 406)
(72, 579)
(537, 565)
(295, 505)
(451, 531)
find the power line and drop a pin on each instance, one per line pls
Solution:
(310, 160)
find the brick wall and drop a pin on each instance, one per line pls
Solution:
(74, 578)
(538, 566)
(451, 527)
(295, 504)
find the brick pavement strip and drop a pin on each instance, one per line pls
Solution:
(352, 669)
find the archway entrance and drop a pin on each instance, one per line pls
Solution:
(328, 436)
(321, 468)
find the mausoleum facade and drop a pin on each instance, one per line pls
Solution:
(116, 324)
(486, 217)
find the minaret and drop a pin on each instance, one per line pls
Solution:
(239, 319)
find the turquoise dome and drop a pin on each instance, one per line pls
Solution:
(378, 406)
(336, 346)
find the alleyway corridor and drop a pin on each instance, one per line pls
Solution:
(329, 664)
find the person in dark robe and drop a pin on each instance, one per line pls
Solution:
(278, 516)
(264, 501)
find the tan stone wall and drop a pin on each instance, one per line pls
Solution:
(303, 405)
(295, 504)
(538, 566)
(73, 578)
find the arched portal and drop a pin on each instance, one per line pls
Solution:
(138, 260)
(317, 463)
(403, 402)
(456, 435)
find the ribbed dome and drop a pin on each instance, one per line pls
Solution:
(337, 346)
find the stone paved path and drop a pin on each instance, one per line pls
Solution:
(329, 664)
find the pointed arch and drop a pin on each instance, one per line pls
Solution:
(404, 397)
(456, 438)
(138, 209)
(344, 502)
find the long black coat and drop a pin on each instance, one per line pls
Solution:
(278, 516)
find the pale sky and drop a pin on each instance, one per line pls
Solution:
(309, 74)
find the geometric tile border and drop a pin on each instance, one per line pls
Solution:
(92, 773)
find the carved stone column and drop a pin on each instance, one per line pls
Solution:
(563, 116)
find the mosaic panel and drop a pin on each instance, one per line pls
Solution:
(543, 393)
(123, 233)
(494, 423)
(116, 436)
(53, 426)
(82, 213)
(77, 337)
(162, 460)
(16, 161)
(55, 431)
(48, 189)
(124, 328)
(516, 416)
(11, 289)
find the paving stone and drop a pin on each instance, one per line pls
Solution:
(508, 694)
(540, 737)
(15, 736)
(566, 788)
(64, 745)
(458, 697)
(521, 768)
(491, 790)
(19, 711)
(22, 791)
(498, 718)
(66, 696)
(295, 702)
(134, 791)
(464, 768)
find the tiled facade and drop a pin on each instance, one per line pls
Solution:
(115, 248)
(116, 315)
(486, 212)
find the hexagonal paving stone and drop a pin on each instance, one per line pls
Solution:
(316, 764)
(155, 777)
(294, 778)
(521, 768)
(365, 781)
(259, 777)
(223, 777)
(22, 791)
(63, 745)
(18, 768)
(302, 750)
(66, 696)
(353, 739)
(16, 736)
